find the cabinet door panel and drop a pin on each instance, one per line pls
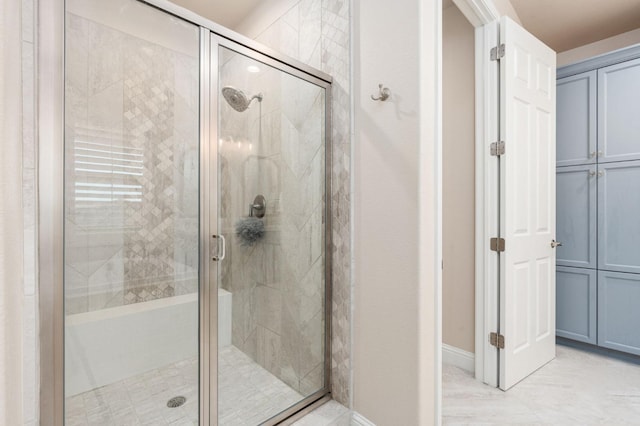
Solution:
(618, 106)
(618, 313)
(576, 304)
(576, 119)
(619, 216)
(576, 222)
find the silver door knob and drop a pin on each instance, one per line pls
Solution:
(555, 243)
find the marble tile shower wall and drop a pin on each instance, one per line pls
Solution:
(30, 206)
(317, 33)
(131, 150)
(276, 149)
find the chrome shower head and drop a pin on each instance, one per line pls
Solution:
(237, 99)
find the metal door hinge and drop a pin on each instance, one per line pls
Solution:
(496, 340)
(497, 244)
(497, 148)
(497, 52)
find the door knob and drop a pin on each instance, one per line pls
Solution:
(555, 243)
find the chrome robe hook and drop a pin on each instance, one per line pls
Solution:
(383, 94)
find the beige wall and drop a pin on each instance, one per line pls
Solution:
(505, 8)
(395, 218)
(598, 48)
(12, 327)
(458, 170)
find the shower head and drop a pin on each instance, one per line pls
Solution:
(237, 99)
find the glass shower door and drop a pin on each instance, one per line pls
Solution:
(131, 215)
(159, 327)
(271, 209)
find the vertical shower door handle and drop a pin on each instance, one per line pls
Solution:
(222, 253)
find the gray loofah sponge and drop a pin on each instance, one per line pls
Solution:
(249, 230)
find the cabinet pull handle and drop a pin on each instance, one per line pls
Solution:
(593, 154)
(592, 173)
(601, 173)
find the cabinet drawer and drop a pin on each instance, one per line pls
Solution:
(576, 216)
(618, 313)
(576, 119)
(576, 302)
(618, 106)
(619, 216)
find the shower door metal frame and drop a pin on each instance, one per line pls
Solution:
(50, 97)
(217, 41)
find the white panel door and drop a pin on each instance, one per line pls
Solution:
(527, 206)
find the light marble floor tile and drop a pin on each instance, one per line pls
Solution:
(330, 414)
(576, 388)
(248, 396)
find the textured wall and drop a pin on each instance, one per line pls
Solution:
(317, 32)
(131, 150)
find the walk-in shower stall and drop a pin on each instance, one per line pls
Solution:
(196, 241)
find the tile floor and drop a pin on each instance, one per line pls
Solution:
(329, 414)
(248, 395)
(577, 388)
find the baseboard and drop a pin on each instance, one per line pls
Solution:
(461, 359)
(359, 420)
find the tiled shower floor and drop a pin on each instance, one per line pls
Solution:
(248, 395)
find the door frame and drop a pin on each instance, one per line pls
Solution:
(50, 68)
(481, 14)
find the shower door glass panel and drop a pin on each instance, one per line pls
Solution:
(131, 206)
(271, 204)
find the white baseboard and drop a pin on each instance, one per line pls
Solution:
(455, 356)
(359, 420)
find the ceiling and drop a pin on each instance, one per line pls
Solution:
(561, 24)
(228, 13)
(566, 24)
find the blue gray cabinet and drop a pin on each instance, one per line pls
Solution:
(576, 119)
(598, 201)
(576, 212)
(619, 216)
(618, 313)
(618, 112)
(576, 304)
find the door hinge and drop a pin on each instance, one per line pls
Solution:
(497, 244)
(496, 340)
(497, 52)
(497, 148)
